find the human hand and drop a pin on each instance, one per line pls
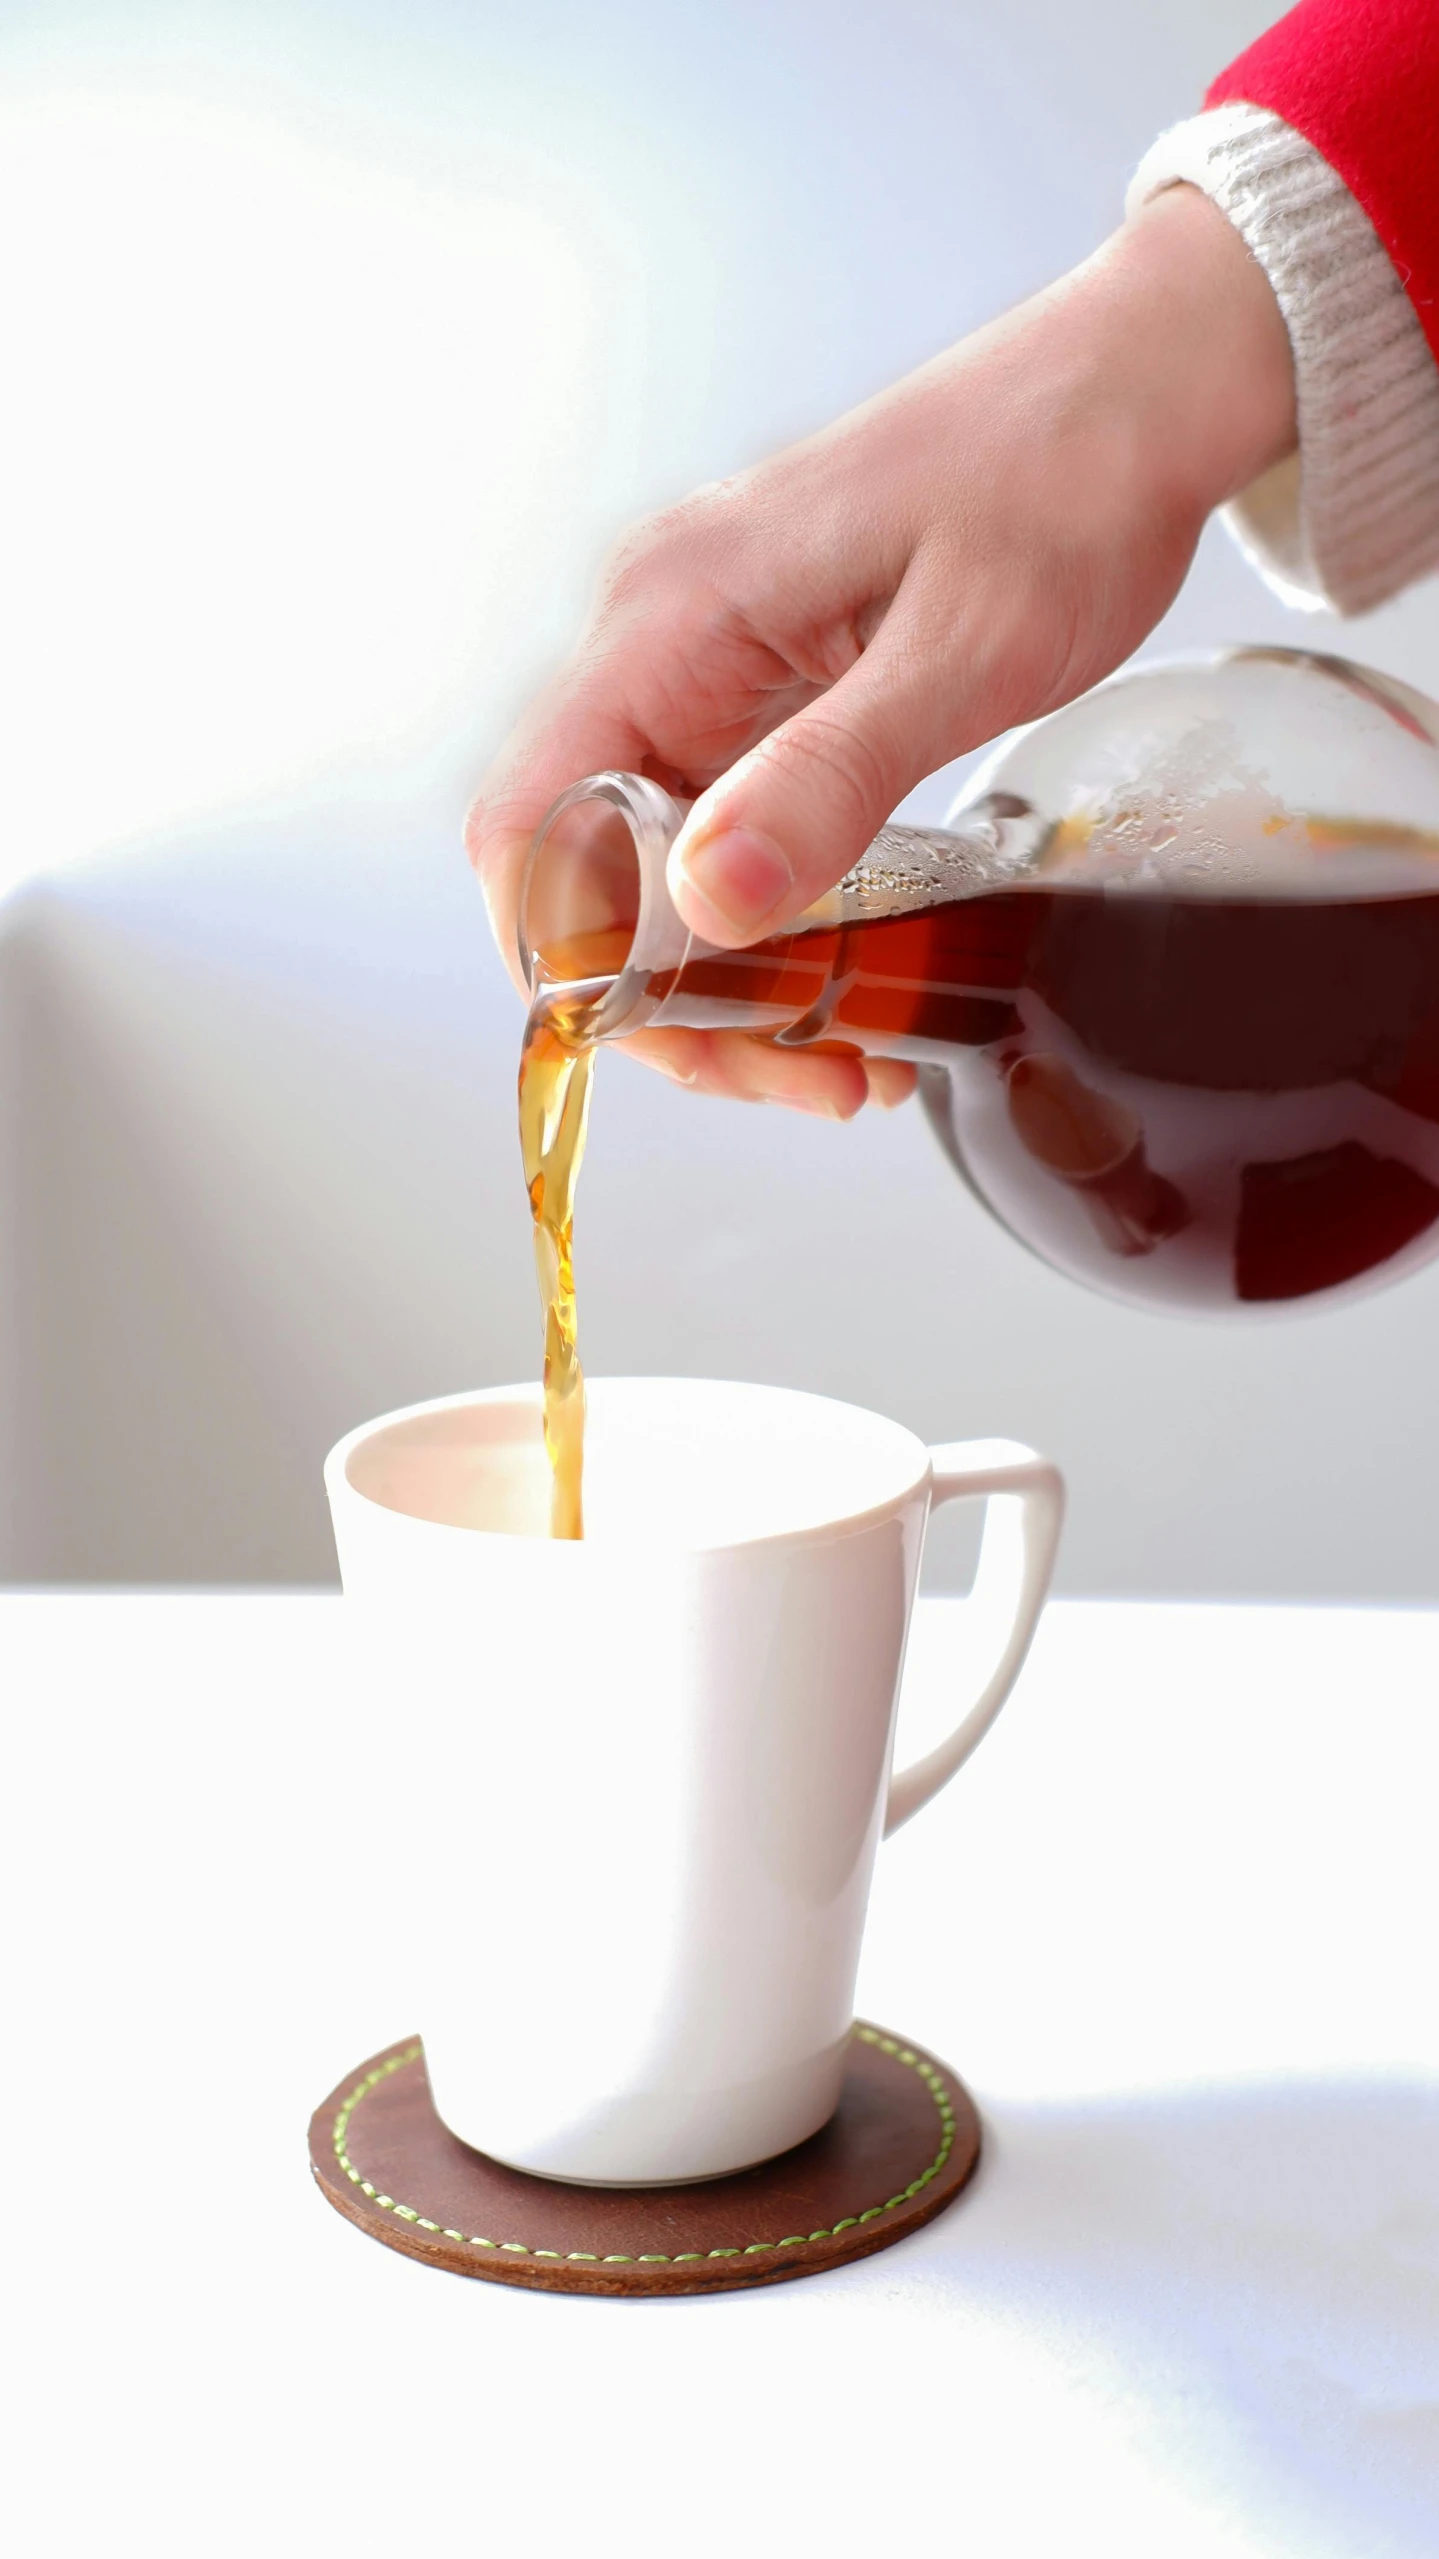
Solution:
(795, 648)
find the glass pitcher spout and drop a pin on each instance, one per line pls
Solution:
(600, 932)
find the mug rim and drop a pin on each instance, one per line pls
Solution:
(528, 1395)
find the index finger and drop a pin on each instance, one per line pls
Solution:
(577, 725)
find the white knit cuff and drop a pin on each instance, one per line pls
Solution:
(1353, 516)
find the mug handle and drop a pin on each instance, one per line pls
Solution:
(1016, 1558)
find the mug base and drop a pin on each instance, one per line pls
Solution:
(646, 2140)
(901, 2144)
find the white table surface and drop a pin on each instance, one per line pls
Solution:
(1176, 1926)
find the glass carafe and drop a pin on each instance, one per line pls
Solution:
(1170, 974)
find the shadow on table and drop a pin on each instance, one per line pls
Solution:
(1258, 2267)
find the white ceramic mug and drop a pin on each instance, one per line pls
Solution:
(654, 1766)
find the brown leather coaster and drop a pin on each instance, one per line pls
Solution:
(902, 2142)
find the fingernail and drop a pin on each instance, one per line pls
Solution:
(821, 1110)
(740, 876)
(676, 1074)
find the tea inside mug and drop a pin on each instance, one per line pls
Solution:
(669, 1462)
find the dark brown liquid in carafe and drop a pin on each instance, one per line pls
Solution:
(1193, 1101)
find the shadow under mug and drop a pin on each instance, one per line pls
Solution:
(661, 1755)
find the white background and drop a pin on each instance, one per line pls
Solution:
(340, 342)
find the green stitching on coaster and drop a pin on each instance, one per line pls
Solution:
(925, 2070)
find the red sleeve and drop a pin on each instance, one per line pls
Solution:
(1360, 80)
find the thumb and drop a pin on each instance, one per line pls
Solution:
(792, 816)
(789, 820)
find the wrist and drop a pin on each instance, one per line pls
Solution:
(1212, 368)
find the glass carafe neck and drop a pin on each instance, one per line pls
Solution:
(600, 932)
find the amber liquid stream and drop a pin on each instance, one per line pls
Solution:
(556, 1071)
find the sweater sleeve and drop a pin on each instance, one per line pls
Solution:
(1321, 144)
